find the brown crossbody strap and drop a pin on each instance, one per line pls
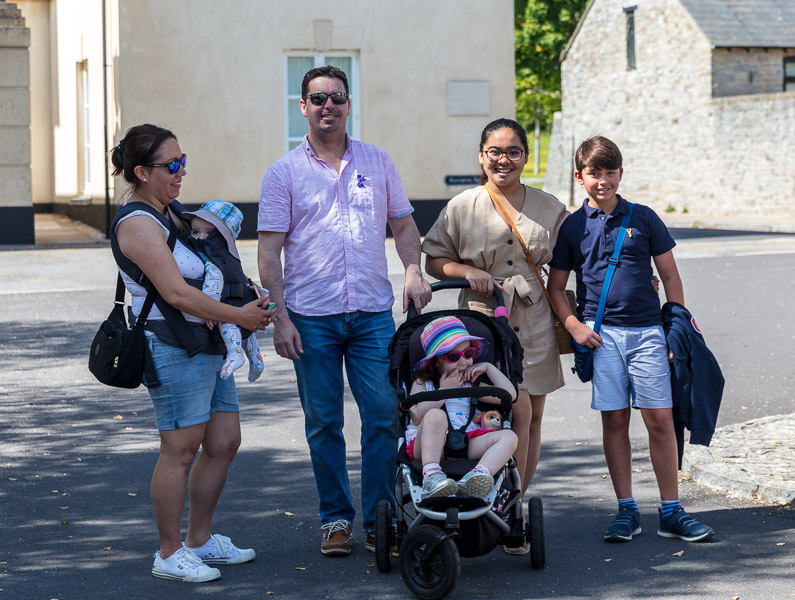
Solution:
(524, 248)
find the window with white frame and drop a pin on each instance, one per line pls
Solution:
(296, 65)
(83, 138)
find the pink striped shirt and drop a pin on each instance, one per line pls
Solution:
(334, 255)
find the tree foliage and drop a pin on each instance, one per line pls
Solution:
(542, 29)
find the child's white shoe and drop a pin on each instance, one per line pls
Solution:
(436, 485)
(476, 484)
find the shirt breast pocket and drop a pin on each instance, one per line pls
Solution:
(361, 191)
(636, 241)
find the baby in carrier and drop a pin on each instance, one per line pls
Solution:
(449, 363)
(214, 229)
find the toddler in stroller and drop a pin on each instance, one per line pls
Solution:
(450, 353)
(457, 488)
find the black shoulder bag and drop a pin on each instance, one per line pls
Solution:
(119, 354)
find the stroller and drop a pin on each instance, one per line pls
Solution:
(432, 533)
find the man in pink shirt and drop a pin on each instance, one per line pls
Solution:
(327, 204)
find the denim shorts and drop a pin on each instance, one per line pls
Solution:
(631, 369)
(191, 389)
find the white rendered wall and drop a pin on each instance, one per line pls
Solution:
(214, 76)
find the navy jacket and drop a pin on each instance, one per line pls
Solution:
(696, 378)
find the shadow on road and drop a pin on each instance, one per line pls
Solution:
(76, 458)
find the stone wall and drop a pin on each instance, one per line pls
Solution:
(669, 91)
(683, 149)
(738, 71)
(16, 204)
(755, 163)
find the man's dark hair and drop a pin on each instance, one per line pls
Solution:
(598, 152)
(325, 71)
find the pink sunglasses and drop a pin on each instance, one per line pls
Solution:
(454, 357)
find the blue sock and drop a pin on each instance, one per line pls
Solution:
(667, 507)
(627, 503)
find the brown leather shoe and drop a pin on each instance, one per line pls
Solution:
(337, 538)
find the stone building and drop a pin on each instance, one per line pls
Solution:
(16, 207)
(698, 94)
(225, 78)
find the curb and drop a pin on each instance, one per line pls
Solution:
(754, 460)
(783, 223)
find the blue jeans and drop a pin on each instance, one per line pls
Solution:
(361, 339)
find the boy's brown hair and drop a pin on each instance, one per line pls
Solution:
(598, 152)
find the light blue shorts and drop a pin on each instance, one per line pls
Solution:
(631, 369)
(191, 389)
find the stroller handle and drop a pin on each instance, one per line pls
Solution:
(452, 284)
(505, 405)
(470, 392)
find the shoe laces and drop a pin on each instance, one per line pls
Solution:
(184, 555)
(436, 476)
(334, 526)
(223, 545)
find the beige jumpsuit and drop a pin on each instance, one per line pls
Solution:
(470, 231)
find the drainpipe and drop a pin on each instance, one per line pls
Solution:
(105, 107)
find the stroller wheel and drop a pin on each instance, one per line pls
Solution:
(535, 532)
(384, 536)
(429, 563)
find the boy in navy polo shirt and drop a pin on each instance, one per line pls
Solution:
(630, 357)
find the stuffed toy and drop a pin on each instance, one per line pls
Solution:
(491, 419)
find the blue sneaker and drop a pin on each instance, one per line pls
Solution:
(681, 525)
(624, 526)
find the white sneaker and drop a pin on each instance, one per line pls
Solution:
(185, 566)
(219, 550)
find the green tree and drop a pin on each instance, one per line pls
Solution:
(542, 30)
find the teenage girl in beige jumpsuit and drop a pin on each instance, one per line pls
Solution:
(471, 240)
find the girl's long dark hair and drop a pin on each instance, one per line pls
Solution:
(502, 123)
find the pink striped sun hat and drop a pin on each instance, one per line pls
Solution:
(441, 335)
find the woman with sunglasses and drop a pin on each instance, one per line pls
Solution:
(449, 356)
(194, 407)
(472, 239)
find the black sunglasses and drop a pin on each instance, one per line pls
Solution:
(174, 165)
(319, 99)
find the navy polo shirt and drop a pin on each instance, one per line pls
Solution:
(586, 241)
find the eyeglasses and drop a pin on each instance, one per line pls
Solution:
(319, 99)
(173, 166)
(454, 357)
(513, 154)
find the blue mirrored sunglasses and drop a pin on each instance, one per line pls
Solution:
(174, 165)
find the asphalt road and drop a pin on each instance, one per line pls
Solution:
(76, 458)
